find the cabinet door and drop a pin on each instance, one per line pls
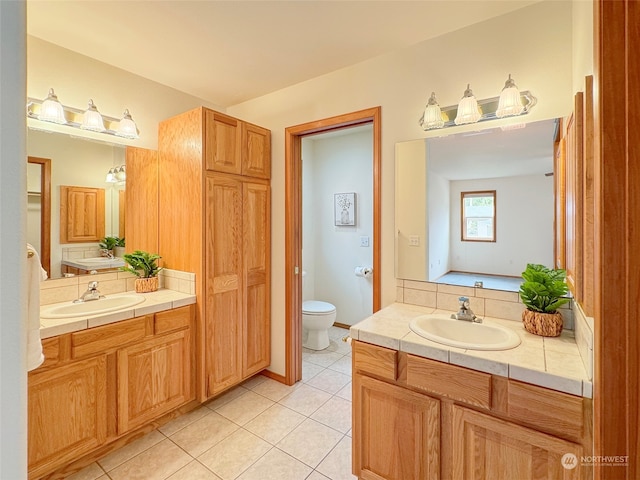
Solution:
(222, 137)
(493, 449)
(67, 413)
(256, 151)
(396, 432)
(256, 270)
(223, 308)
(154, 377)
(81, 214)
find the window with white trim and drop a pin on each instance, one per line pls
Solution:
(478, 216)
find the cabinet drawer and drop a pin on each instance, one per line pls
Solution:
(101, 339)
(457, 383)
(51, 351)
(554, 412)
(376, 360)
(172, 320)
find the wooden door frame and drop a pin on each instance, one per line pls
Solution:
(45, 214)
(616, 382)
(293, 224)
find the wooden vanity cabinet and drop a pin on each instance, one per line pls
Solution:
(418, 418)
(99, 384)
(216, 223)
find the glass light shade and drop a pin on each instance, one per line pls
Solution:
(51, 110)
(127, 127)
(92, 120)
(432, 117)
(510, 103)
(121, 174)
(111, 177)
(468, 111)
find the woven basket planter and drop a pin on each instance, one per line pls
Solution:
(146, 285)
(543, 324)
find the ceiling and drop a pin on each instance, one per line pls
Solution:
(227, 52)
(494, 153)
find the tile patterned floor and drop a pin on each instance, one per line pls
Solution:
(260, 430)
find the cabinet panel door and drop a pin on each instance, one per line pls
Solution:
(81, 214)
(67, 413)
(154, 377)
(493, 449)
(256, 269)
(222, 137)
(256, 151)
(224, 283)
(396, 433)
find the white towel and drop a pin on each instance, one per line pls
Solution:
(35, 274)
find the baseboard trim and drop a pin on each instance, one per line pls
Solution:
(275, 376)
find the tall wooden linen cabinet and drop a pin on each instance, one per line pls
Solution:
(214, 217)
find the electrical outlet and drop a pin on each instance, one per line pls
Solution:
(414, 240)
(364, 241)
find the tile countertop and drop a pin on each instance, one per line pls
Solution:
(553, 363)
(162, 299)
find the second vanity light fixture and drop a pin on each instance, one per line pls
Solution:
(51, 110)
(511, 102)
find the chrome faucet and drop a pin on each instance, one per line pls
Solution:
(92, 293)
(465, 313)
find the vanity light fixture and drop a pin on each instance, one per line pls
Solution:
(511, 102)
(111, 176)
(117, 174)
(92, 120)
(468, 110)
(51, 110)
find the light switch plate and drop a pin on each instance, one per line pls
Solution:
(364, 241)
(414, 240)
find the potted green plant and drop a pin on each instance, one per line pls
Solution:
(144, 266)
(543, 291)
(118, 250)
(107, 244)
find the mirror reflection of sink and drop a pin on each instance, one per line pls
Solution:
(461, 334)
(101, 261)
(93, 307)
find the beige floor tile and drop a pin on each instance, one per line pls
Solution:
(184, 420)
(305, 400)
(337, 465)
(315, 475)
(339, 346)
(343, 366)
(234, 454)
(310, 442)
(323, 358)
(275, 423)
(310, 370)
(194, 471)
(203, 434)
(254, 381)
(329, 381)
(346, 391)
(273, 390)
(337, 332)
(156, 463)
(336, 413)
(226, 397)
(129, 451)
(276, 465)
(90, 472)
(245, 408)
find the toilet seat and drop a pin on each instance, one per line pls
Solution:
(316, 307)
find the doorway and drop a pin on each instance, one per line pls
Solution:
(39, 208)
(293, 224)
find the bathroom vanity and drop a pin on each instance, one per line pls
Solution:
(101, 384)
(419, 414)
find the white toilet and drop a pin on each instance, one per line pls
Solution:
(317, 317)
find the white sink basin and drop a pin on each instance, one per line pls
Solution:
(92, 307)
(100, 261)
(458, 333)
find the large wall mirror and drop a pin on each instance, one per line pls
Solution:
(74, 161)
(434, 179)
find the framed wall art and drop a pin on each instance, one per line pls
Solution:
(345, 209)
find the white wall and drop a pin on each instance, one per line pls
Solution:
(339, 164)
(75, 162)
(77, 78)
(438, 200)
(13, 251)
(582, 42)
(308, 226)
(524, 227)
(534, 44)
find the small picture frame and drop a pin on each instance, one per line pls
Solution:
(345, 209)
